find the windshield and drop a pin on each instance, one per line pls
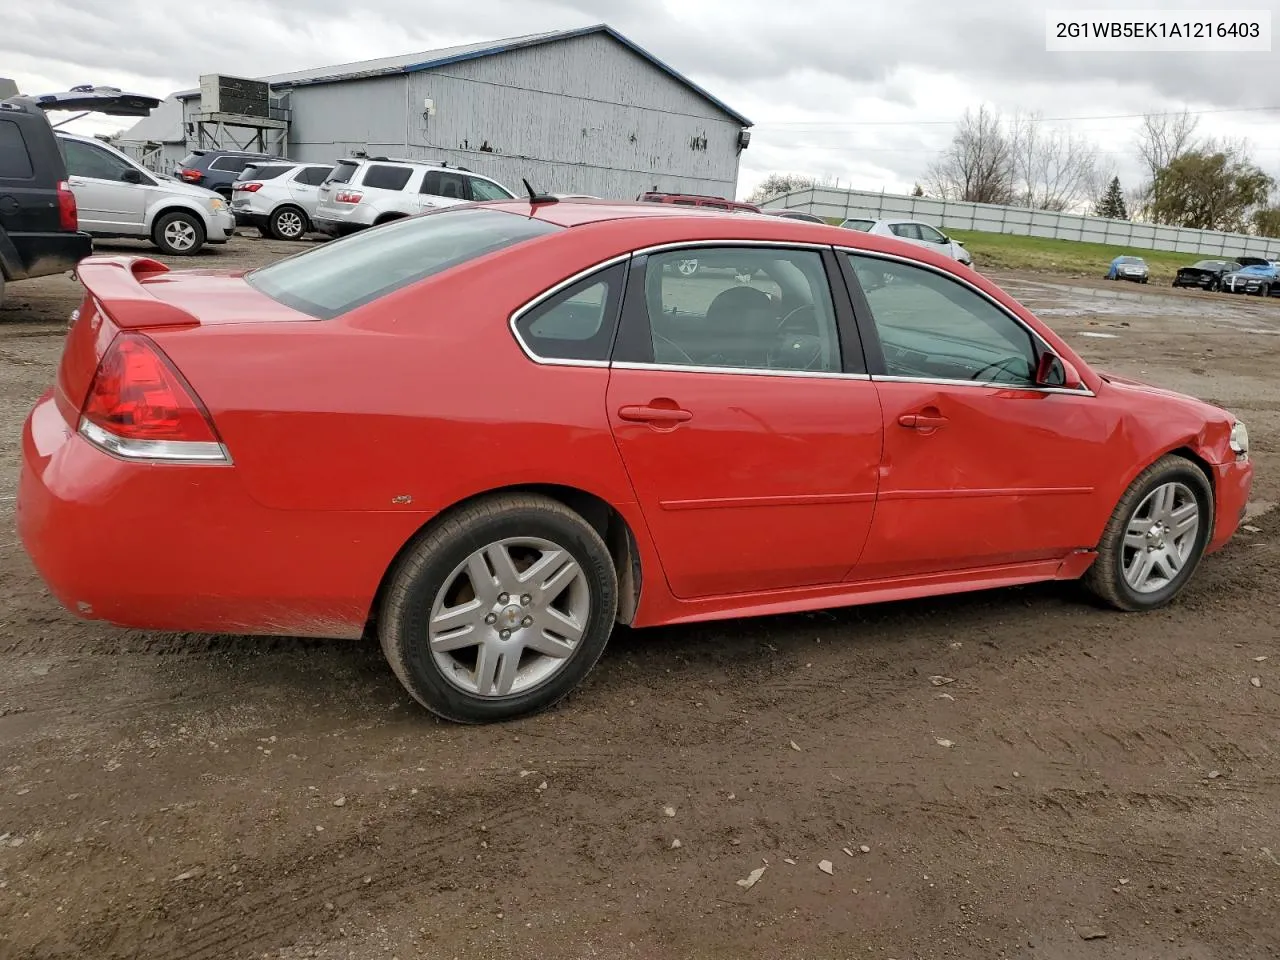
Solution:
(1129, 259)
(341, 275)
(1209, 265)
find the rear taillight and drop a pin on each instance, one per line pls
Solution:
(189, 175)
(252, 186)
(140, 408)
(348, 196)
(68, 218)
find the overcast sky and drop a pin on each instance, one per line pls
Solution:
(863, 91)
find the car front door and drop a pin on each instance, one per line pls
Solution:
(106, 201)
(752, 439)
(981, 466)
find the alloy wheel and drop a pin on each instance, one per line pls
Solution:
(1160, 537)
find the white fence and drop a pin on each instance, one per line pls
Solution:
(1023, 221)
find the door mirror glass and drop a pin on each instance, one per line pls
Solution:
(1053, 371)
(130, 175)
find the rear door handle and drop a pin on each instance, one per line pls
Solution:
(644, 413)
(921, 421)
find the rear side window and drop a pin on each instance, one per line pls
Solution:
(265, 172)
(190, 159)
(342, 275)
(441, 184)
(341, 173)
(15, 160)
(381, 176)
(231, 164)
(312, 176)
(577, 323)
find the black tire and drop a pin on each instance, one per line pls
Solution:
(427, 566)
(1105, 579)
(289, 223)
(1144, 279)
(1264, 290)
(160, 233)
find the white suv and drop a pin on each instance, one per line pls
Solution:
(913, 231)
(280, 199)
(116, 197)
(365, 192)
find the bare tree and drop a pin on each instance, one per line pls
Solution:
(978, 164)
(1164, 137)
(1053, 169)
(776, 184)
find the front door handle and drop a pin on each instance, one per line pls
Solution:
(647, 413)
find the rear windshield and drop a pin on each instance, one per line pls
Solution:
(266, 172)
(341, 172)
(191, 158)
(863, 225)
(341, 275)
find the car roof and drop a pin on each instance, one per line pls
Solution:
(583, 212)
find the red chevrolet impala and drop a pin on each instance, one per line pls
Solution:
(490, 433)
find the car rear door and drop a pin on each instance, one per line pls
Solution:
(304, 186)
(981, 467)
(746, 422)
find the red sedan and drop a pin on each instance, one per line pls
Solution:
(490, 433)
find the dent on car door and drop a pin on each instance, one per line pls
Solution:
(981, 466)
(744, 417)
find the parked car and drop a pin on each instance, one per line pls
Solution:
(913, 231)
(118, 197)
(635, 454)
(1128, 268)
(217, 170)
(39, 228)
(280, 199)
(1260, 279)
(1205, 274)
(795, 215)
(362, 193)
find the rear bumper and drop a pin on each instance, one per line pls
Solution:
(337, 228)
(245, 219)
(44, 254)
(186, 548)
(1232, 483)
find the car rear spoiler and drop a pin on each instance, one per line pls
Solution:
(117, 285)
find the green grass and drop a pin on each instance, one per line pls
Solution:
(1009, 252)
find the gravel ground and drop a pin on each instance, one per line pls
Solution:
(1082, 783)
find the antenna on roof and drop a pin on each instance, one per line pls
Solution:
(535, 197)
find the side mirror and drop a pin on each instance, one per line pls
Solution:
(131, 175)
(1053, 371)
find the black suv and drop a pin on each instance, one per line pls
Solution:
(216, 169)
(38, 223)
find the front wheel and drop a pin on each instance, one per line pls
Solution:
(501, 610)
(1264, 290)
(179, 234)
(1155, 537)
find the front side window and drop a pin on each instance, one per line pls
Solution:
(487, 190)
(383, 176)
(577, 323)
(928, 233)
(934, 328)
(84, 160)
(340, 276)
(748, 308)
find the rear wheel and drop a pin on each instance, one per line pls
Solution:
(180, 234)
(288, 223)
(501, 610)
(1155, 537)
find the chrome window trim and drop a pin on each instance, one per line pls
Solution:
(741, 371)
(143, 451)
(1084, 390)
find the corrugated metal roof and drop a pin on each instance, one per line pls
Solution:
(431, 59)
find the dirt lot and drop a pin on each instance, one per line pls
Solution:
(1090, 785)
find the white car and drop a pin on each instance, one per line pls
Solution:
(913, 231)
(364, 192)
(117, 197)
(280, 199)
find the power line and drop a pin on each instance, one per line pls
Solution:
(923, 123)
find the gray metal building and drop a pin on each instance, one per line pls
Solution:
(576, 111)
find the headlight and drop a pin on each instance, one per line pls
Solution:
(1239, 440)
(216, 204)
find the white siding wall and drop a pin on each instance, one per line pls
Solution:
(583, 115)
(996, 218)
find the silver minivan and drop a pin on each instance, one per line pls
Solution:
(117, 197)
